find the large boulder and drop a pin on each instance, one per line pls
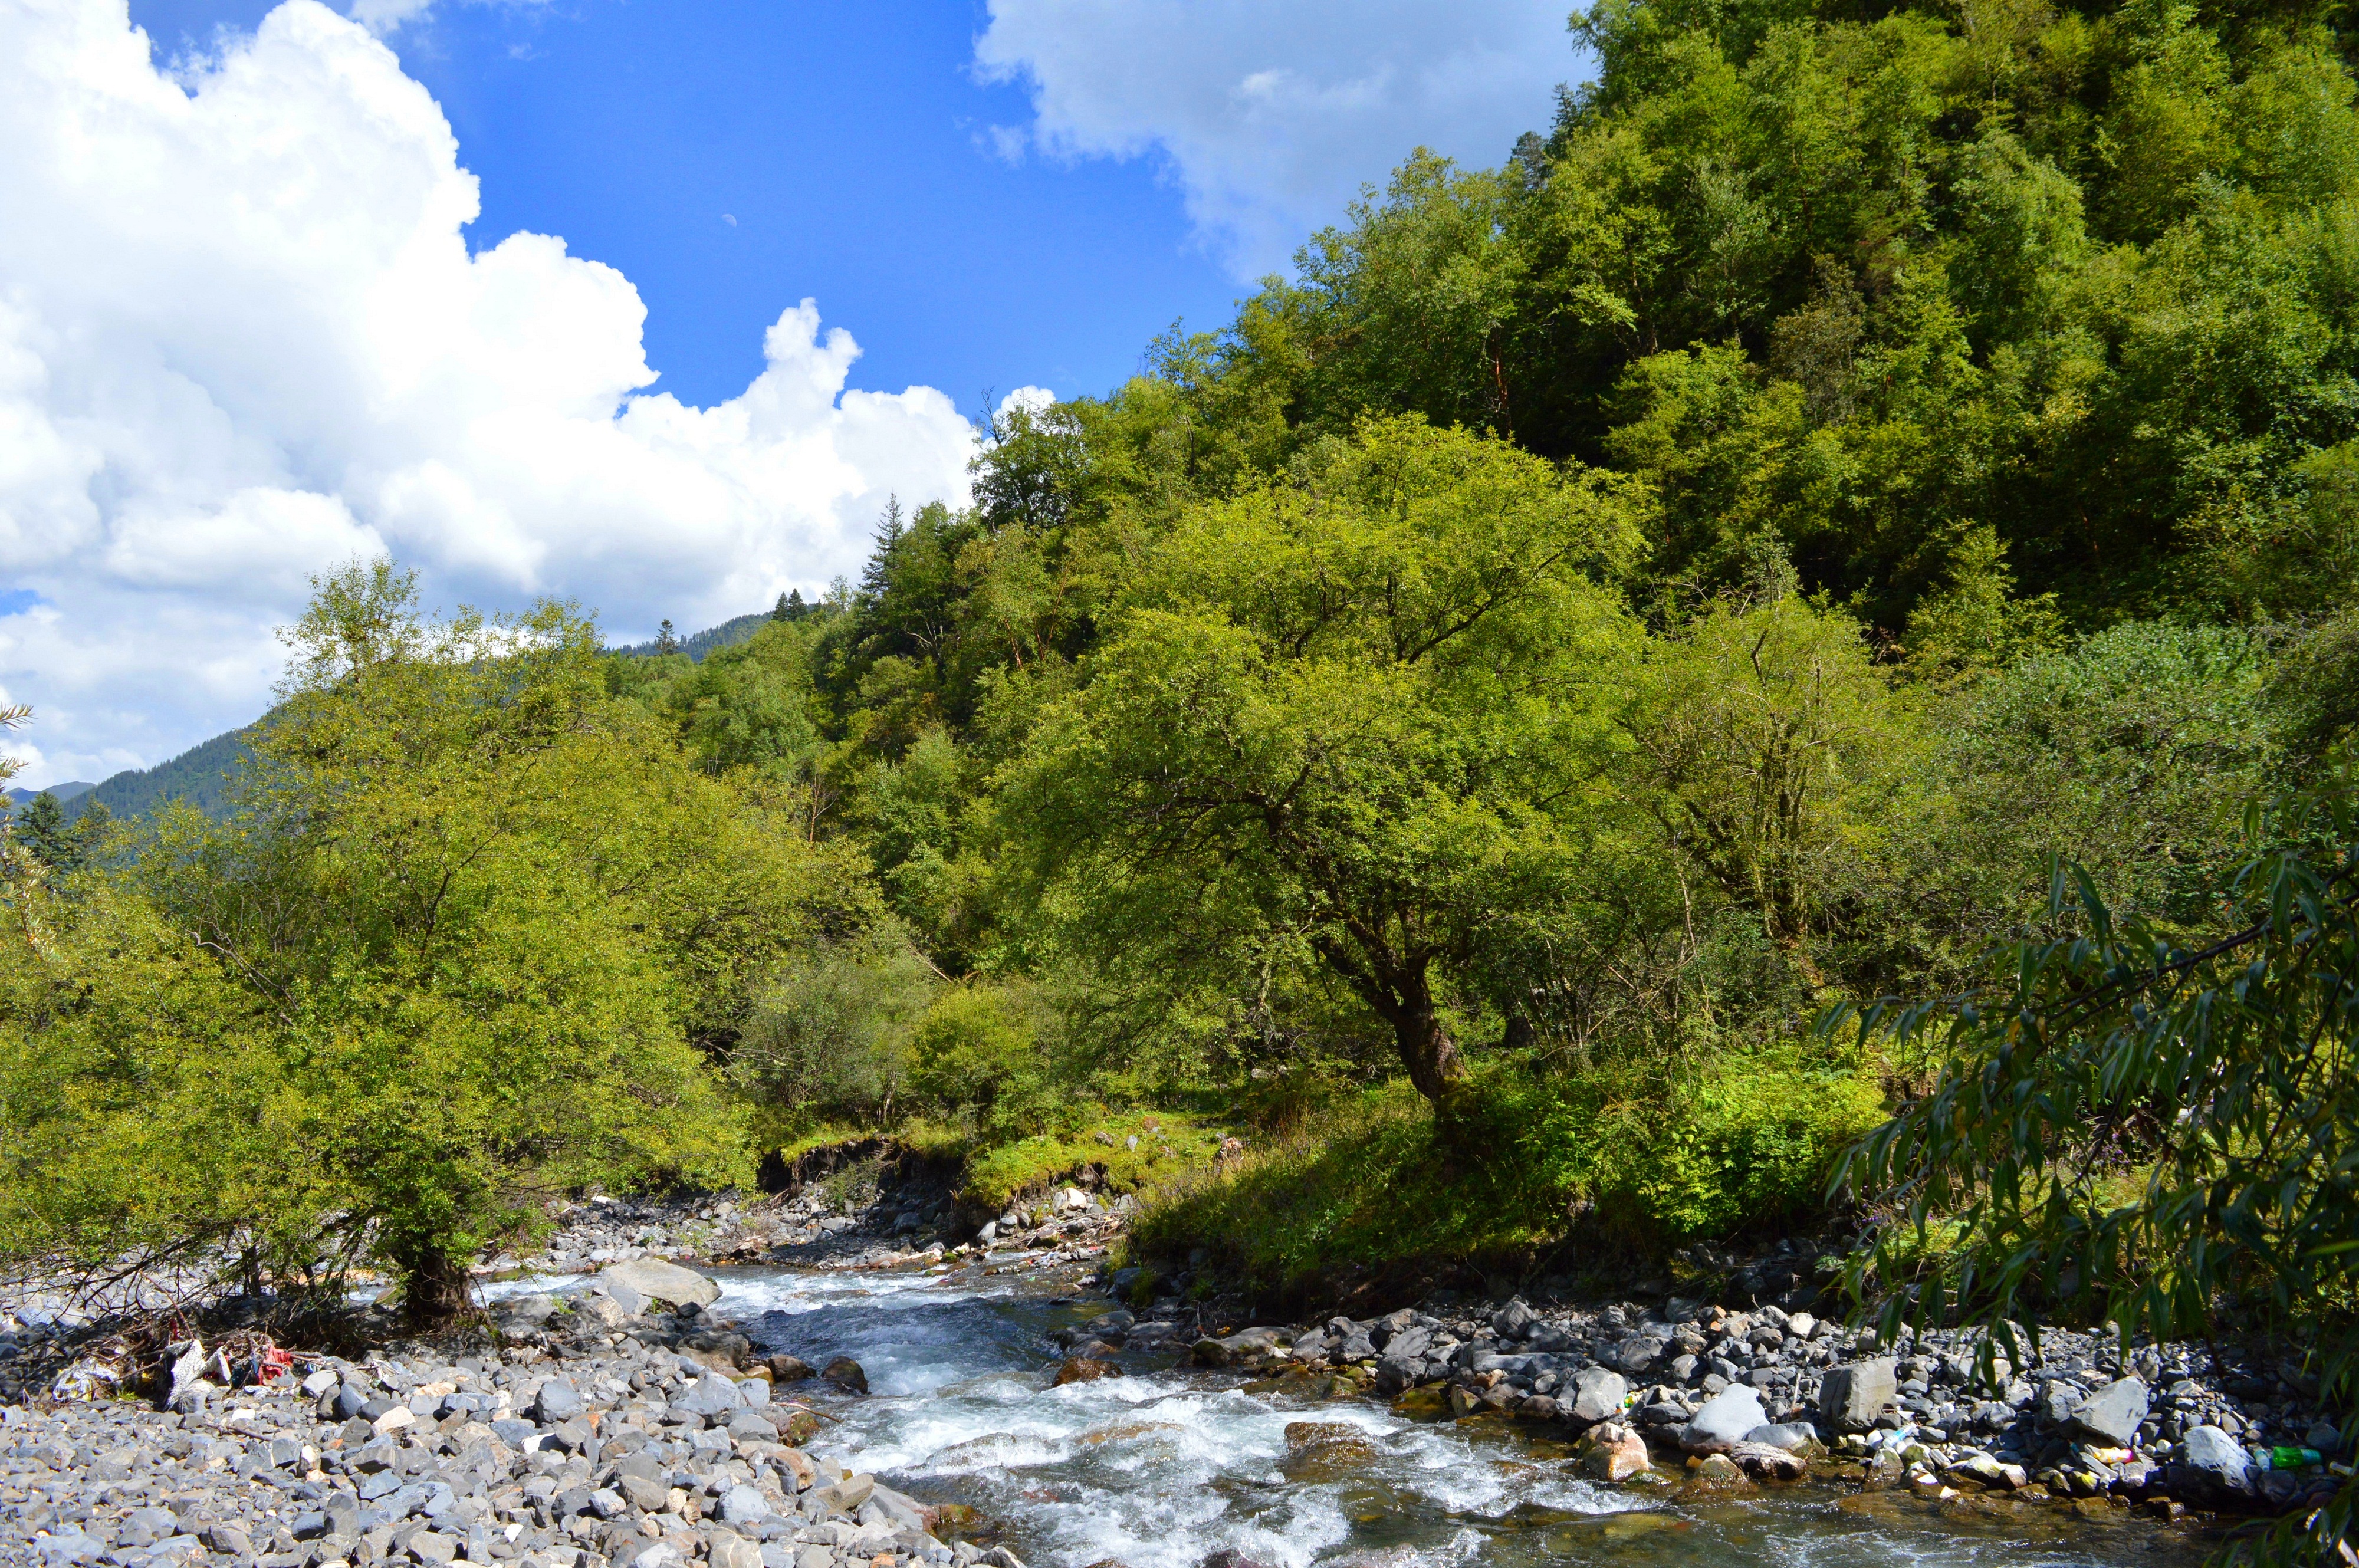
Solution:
(1853, 1397)
(2211, 1470)
(1597, 1395)
(653, 1280)
(2112, 1414)
(1724, 1419)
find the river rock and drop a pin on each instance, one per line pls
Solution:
(709, 1397)
(655, 1280)
(1724, 1420)
(1987, 1473)
(1085, 1369)
(791, 1369)
(1765, 1463)
(1612, 1452)
(1638, 1354)
(1793, 1437)
(1597, 1394)
(558, 1401)
(2112, 1414)
(2211, 1469)
(1852, 1397)
(847, 1374)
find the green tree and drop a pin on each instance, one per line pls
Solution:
(1348, 710)
(41, 828)
(2148, 1128)
(456, 953)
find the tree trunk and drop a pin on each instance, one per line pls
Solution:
(1425, 1046)
(435, 1287)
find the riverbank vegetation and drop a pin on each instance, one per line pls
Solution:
(1460, 727)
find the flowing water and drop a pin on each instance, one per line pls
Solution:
(1164, 1465)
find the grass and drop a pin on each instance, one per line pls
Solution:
(1169, 1147)
(1361, 1181)
(1629, 1160)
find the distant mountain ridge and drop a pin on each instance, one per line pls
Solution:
(726, 635)
(17, 795)
(203, 775)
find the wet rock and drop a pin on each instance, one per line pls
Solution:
(1085, 1369)
(791, 1369)
(1987, 1473)
(1718, 1468)
(1853, 1398)
(1612, 1452)
(1230, 1557)
(1765, 1462)
(847, 1374)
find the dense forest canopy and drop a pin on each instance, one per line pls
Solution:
(1600, 614)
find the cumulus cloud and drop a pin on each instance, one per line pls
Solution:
(1273, 115)
(242, 339)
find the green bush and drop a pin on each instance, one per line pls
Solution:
(829, 1034)
(984, 1054)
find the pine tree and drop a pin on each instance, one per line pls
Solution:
(781, 611)
(41, 830)
(666, 641)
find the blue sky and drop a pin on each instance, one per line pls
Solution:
(513, 291)
(850, 140)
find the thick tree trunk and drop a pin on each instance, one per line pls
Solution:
(1425, 1046)
(435, 1287)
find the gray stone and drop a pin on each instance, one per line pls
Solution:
(2211, 1468)
(709, 1397)
(646, 1494)
(1597, 1394)
(2112, 1414)
(1637, 1353)
(814, 1557)
(2055, 1402)
(67, 1545)
(1724, 1419)
(741, 1505)
(661, 1281)
(1792, 1436)
(558, 1401)
(431, 1546)
(1852, 1397)
(535, 1310)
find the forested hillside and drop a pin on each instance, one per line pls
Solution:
(1462, 723)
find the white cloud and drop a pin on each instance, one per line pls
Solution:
(1272, 114)
(242, 339)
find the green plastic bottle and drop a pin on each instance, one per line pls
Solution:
(2294, 1458)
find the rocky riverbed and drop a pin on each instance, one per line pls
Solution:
(1766, 1394)
(956, 1397)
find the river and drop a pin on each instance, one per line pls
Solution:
(1165, 1465)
